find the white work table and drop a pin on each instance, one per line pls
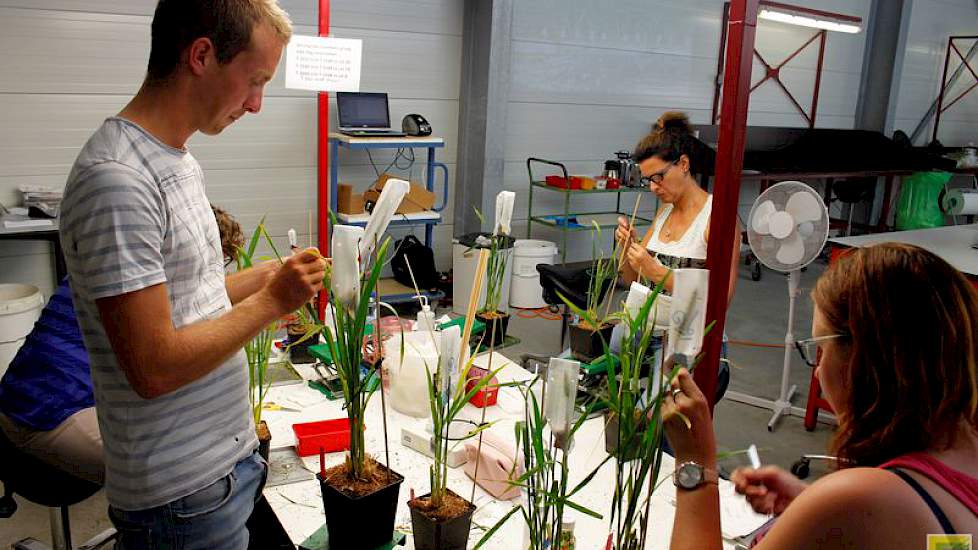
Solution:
(953, 244)
(299, 506)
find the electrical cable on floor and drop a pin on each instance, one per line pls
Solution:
(749, 344)
(542, 313)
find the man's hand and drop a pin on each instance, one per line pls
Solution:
(297, 280)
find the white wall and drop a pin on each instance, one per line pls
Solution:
(931, 23)
(68, 64)
(589, 77)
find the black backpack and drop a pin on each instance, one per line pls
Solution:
(422, 258)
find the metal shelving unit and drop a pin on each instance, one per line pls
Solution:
(428, 219)
(554, 221)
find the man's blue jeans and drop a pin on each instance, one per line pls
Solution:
(212, 518)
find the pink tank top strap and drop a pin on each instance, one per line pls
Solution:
(958, 484)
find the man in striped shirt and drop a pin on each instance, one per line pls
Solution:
(162, 324)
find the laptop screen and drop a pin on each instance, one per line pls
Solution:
(362, 110)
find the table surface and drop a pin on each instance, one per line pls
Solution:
(953, 243)
(4, 230)
(300, 509)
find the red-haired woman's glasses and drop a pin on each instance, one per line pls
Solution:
(809, 348)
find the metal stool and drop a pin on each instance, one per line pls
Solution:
(43, 484)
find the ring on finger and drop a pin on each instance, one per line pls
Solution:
(675, 392)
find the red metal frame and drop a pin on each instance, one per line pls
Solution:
(944, 84)
(742, 22)
(323, 161)
(774, 72)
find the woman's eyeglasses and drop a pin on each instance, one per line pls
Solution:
(808, 348)
(657, 177)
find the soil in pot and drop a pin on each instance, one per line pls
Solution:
(264, 439)
(360, 513)
(444, 528)
(586, 342)
(501, 321)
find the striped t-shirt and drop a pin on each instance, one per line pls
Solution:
(135, 215)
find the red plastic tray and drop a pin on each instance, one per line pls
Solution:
(329, 435)
(559, 181)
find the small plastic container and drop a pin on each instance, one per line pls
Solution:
(488, 395)
(329, 435)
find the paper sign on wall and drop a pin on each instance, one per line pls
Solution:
(323, 64)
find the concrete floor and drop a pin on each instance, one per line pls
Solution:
(758, 314)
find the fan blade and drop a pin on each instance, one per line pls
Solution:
(792, 250)
(762, 216)
(804, 207)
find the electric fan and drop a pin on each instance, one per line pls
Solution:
(787, 229)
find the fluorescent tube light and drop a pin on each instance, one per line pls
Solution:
(827, 24)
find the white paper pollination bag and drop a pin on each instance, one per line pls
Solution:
(688, 313)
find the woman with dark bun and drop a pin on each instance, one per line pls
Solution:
(668, 157)
(681, 229)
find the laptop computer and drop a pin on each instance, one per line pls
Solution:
(363, 114)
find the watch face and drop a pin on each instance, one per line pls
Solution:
(689, 476)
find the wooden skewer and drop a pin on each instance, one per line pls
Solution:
(631, 225)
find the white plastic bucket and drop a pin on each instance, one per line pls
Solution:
(526, 291)
(20, 307)
(464, 263)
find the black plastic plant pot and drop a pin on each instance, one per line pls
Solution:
(586, 345)
(495, 338)
(299, 352)
(611, 438)
(264, 445)
(361, 522)
(449, 534)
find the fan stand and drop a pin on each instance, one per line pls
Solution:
(782, 406)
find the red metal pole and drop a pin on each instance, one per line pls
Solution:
(718, 81)
(818, 78)
(940, 95)
(726, 195)
(322, 211)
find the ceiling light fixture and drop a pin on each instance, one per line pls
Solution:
(806, 17)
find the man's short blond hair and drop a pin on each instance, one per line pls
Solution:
(227, 23)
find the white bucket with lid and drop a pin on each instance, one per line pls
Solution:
(525, 290)
(20, 307)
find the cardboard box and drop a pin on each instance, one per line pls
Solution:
(348, 202)
(418, 198)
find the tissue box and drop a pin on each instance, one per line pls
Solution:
(419, 439)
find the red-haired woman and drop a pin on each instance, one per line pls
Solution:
(895, 342)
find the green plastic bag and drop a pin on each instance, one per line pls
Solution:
(918, 206)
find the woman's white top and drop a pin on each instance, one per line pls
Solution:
(690, 249)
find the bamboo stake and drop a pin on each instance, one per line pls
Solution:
(631, 225)
(378, 355)
(480, 272)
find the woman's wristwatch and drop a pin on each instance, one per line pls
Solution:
(690, 475)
